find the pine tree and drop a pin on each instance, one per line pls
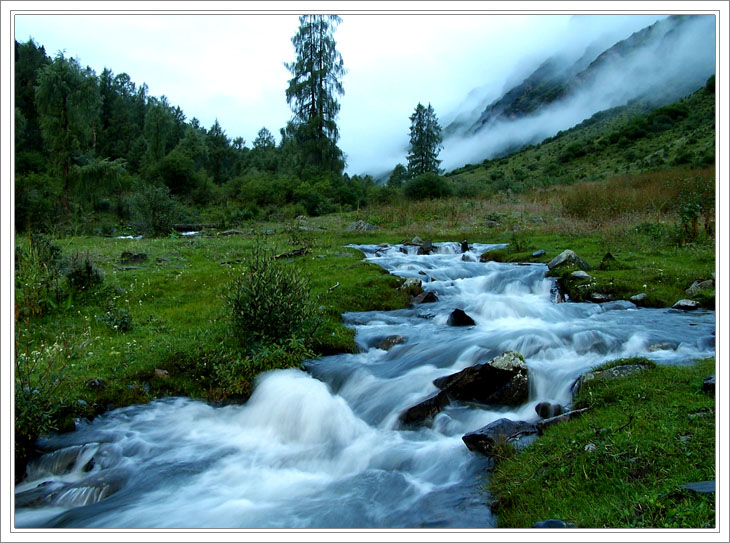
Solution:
(425, 141)
(68, 103)
(312, 92)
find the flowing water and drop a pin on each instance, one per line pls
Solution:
(323, 448)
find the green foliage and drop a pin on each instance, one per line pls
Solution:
(427, 185)
(40, 382)
(270, 301)
(236, 375)
(398, 176)
(38, 287)
(82, 274)
(116, 318)
(155, 210)
(67, 101)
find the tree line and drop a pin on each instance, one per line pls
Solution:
(90, 146)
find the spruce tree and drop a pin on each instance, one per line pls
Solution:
(312, 91)
(425, 142)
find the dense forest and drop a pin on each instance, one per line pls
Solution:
(97, 150)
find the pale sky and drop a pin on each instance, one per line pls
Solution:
(231, 67)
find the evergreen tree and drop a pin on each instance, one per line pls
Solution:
(312, 92)
(425, 141)
(67, 99)
(264, 139)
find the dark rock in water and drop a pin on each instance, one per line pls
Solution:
(485, 439)
(546, 410)
(403, 250)
(391, 341)
(701, 487)
(686, 305)
(502, 381)
(616, 372)
(568, 257)
(427, 409)
(426, 249)
(553, 523)
(464, 246)
(459, 318)
(708, 385)
(132, 258)
(537, 253)
(426, 297)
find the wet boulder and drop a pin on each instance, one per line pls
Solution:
(459, 318)
(486, 438)
(464, 246)
(566, 258)
(686, 305)
(426, 297)
(389, 342)
(427, 248)
(501, 381)
(425, 410)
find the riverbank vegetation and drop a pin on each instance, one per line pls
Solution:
(623, 463)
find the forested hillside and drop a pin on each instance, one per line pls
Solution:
(95, 150)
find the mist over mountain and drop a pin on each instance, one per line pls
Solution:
(657, 65)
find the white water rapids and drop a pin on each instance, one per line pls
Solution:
(323, 448)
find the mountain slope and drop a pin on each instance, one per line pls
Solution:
(656, 66)
(631, 138)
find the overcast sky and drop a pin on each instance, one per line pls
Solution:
(231, 67)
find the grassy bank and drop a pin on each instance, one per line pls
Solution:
(622, 463)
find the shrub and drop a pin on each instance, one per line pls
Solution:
(155, 210)
(39, 386)
(37, 278)
(270, 301)
(426, 185)
(82, 273)
(116, 318)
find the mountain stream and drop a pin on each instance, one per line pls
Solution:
(323, 448)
